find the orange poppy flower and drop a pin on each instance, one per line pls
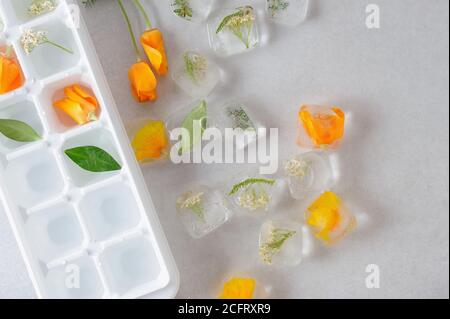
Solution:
(150, 142)
(239, 288)
(320, 126)
(10, 75)
(78, 104)
(143, 82)
(153, 43)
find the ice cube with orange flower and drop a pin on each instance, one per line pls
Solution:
(320, 127)
(329, 218)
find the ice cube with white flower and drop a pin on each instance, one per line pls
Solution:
(202, 210)
(281, 243)
(233, 31)
(287, 12)
(196, 74)
(192, 10)
(308, 173)
(252, 194)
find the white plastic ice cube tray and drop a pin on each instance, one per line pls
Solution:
(67, 221)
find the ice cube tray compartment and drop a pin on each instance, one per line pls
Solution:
(101, 228)
(110, 210)
(17, 11)
(90, 281)
(54, 231)
(98, 137)
(34, 178)
(58, 121)
(37, 62)
(24, 110)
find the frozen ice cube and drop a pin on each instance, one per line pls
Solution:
(195, 74)
(308, 173)
(149, 139)
(194, 119)
(252, 194)
(202, 210)
(233, 31)
(287, 12)
(243, 283)
(280, 243)
(329, 218)
(236, 116)
(320, 127)
(192, 10)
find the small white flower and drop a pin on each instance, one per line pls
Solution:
(39, 7)
(252, 200)
(297, 167)
(31, 39)
(189, 200)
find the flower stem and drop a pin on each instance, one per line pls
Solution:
(8, 51)
(59, 46)
(130, 29)
(144, 13)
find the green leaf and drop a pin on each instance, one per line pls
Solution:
(249, 182)
(93, 159)
(18, 131)
(197, 116)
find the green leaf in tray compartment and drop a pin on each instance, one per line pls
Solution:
(198, 116)
(93, 159)
(18, 131)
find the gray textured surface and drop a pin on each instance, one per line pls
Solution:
(394, 161)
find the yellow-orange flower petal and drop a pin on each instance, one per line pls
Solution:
(153, 43)
(239, 288)
(79, 95)
(323, 126)
(81, 106)
(329, 218)
(150, 142)
(74, 110)
(143, 82)
(10, 75)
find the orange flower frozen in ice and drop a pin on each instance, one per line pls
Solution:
(320, 126)
(81, 106)
(153, 42)
(10, 73)
(329, 218)
(143, 82)
(150, 142)
(239, 288)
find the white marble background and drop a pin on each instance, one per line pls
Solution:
(394, 161)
